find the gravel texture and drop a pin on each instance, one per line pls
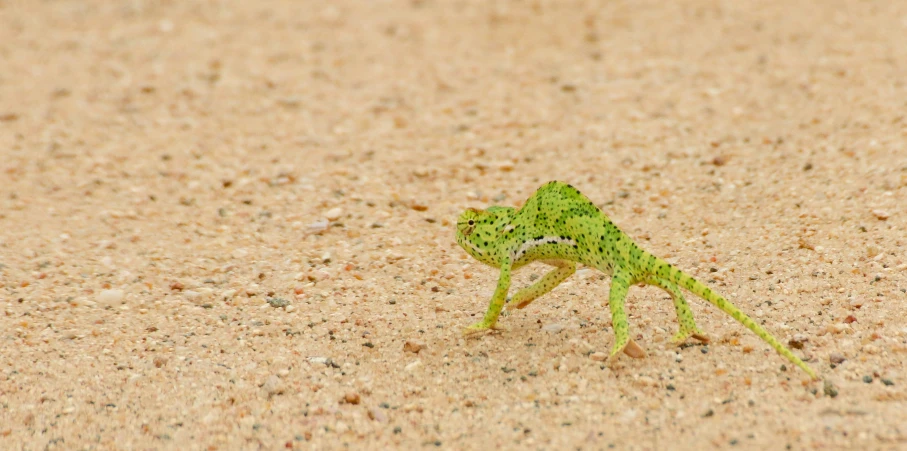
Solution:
(229, 225)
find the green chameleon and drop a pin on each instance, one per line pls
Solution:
(561, 227)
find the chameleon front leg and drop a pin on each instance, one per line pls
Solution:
(684, 314)
(523, 297)
(496, 304)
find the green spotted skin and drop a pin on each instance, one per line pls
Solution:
(561, 227)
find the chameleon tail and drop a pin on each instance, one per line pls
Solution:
(684, 280)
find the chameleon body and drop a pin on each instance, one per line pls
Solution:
(561, 227)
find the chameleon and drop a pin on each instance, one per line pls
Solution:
(561, 227)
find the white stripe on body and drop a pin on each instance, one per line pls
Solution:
(529, 244)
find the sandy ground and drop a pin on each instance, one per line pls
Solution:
(222, 222)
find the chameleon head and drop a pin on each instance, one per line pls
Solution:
(478, 230)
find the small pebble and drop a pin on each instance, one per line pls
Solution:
(278, 302)
(321, 360)
(273, 386)
(553, 328)
(110, 297)
(839, 328)
(318, 226)
(351, 398)
(887, 382)
(829, 389)
(598, 356)
(881, 215)
(333, 214)
(413, 347)
(836, 358)
(797, 341)
(377, 415)
(867, 379)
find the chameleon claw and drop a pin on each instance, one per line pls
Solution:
(634, 350)
(510, 305)
(481, 328)
(631, 349)
(680, 337)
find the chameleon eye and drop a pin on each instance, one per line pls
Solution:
(471, 222)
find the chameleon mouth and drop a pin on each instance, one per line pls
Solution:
(474, 248)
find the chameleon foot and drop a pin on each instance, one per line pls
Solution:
(631, 349)
(634, 350)
(480, 328)
(516, 305)
(681, 336)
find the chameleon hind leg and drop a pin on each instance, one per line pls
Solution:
(688, 326)
(525, 296)
(617, 298)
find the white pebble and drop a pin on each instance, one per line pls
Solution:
(82, 301)
(881, 214)
(333, 214)
(318, 226)
(273, 386)
(110, 297)
(553, 328)
(191, 296)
